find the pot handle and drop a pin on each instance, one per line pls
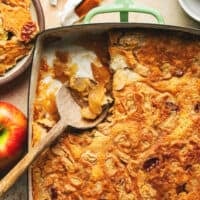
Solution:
(124, 7)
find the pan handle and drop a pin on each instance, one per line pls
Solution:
(123, 7)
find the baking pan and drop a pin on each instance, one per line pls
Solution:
(58, 35)
(71, 33)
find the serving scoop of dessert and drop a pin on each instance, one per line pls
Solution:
(17, 29)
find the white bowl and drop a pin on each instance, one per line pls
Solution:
(22, 64)
(192, 8)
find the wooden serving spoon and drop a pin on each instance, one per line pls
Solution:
(70, 115)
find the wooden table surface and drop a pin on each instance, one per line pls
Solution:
(17, 91)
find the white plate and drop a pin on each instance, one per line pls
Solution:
(192, 8)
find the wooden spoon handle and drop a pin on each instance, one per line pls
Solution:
(23, 164)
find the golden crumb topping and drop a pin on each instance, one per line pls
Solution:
(17, 29)
(148, 147)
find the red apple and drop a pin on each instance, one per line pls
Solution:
(13, 129)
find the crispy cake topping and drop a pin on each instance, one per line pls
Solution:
(149, 145)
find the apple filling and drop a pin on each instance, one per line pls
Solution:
(90, 89)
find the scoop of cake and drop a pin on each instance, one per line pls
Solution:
(76, 9)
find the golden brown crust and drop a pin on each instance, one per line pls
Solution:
(149, 145)
(18, 21)
(160, 56)
(15, 3)
(10, 52)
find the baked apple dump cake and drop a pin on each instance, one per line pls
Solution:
(148, 147)
(17, 29)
